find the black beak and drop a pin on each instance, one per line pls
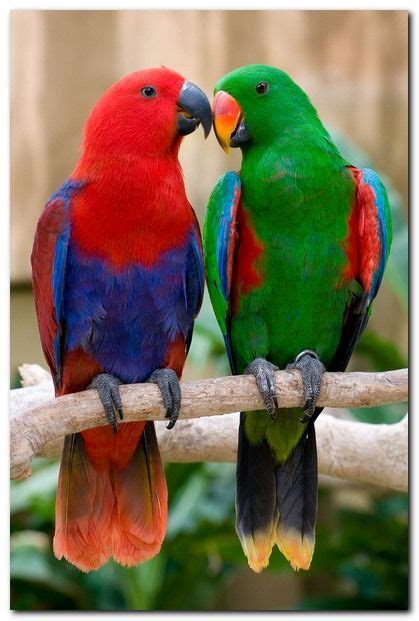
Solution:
(240, 135)
(193, 109)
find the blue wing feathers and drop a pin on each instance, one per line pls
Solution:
(231, 185)
(219, 241)
(64, 195)
(195, 276)
(58, 279)
(48, 268)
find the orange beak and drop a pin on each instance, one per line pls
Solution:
(227, 114)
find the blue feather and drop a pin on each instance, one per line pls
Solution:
(126, 320)
(231, 184)
(64, 195)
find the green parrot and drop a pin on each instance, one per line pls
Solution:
(295, 249)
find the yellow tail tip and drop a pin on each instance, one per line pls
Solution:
(297, 549)
(258, 549)
(258, 563)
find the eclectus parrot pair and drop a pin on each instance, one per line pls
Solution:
(295, 247)
(118, 280)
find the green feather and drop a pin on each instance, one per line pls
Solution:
(297, 193)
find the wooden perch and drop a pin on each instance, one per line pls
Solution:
(356, 451)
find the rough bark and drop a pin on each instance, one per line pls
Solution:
(356, 451)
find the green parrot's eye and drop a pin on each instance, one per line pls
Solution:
(261, 88)
(148, 91)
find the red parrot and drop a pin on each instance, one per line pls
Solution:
(118, 281)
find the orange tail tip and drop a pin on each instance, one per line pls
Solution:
(130, 551)
(258, 548)
(111, 508)
(298, 549)
(79, 548)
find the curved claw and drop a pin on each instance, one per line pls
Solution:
(312, 370)
(168, 383)
(264, 374)
(107, 386)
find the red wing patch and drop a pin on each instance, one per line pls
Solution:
(363, 244)
(369, 238)
(246, 275)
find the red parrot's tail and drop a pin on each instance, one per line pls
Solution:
(112, 497)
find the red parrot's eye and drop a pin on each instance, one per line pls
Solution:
(148, 92)
(261, 88)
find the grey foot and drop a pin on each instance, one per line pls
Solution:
(312, 370)
(264, 374)
(168, 383)
(107, 386)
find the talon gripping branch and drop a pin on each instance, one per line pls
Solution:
(295, 249)
(118, 281)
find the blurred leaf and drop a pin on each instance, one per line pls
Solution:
(186, 506)
(142, 583)
(30, 563)
(382, 354)
(371, 563)
(397, 269)
(207, 343)
(386, 414)
(208, 496)
(38, 490)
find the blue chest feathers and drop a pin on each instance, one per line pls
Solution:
(127, 319)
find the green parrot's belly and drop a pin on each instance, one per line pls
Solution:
(289, 292)
(297, 305)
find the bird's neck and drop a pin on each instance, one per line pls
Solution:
(132, 209)
(127, 170)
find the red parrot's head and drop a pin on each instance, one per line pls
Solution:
(147, 113)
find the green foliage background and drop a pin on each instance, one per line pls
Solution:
(361, 558)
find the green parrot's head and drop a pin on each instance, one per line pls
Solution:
(257, 104)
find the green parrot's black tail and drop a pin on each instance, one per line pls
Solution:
(276, 503)
(256, 512)
(296, 497)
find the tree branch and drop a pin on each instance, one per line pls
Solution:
(357, 451)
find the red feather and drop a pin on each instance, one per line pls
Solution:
(247, 275)
(112, 497)
(112, 494)
(363, 245)
(157, 217)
